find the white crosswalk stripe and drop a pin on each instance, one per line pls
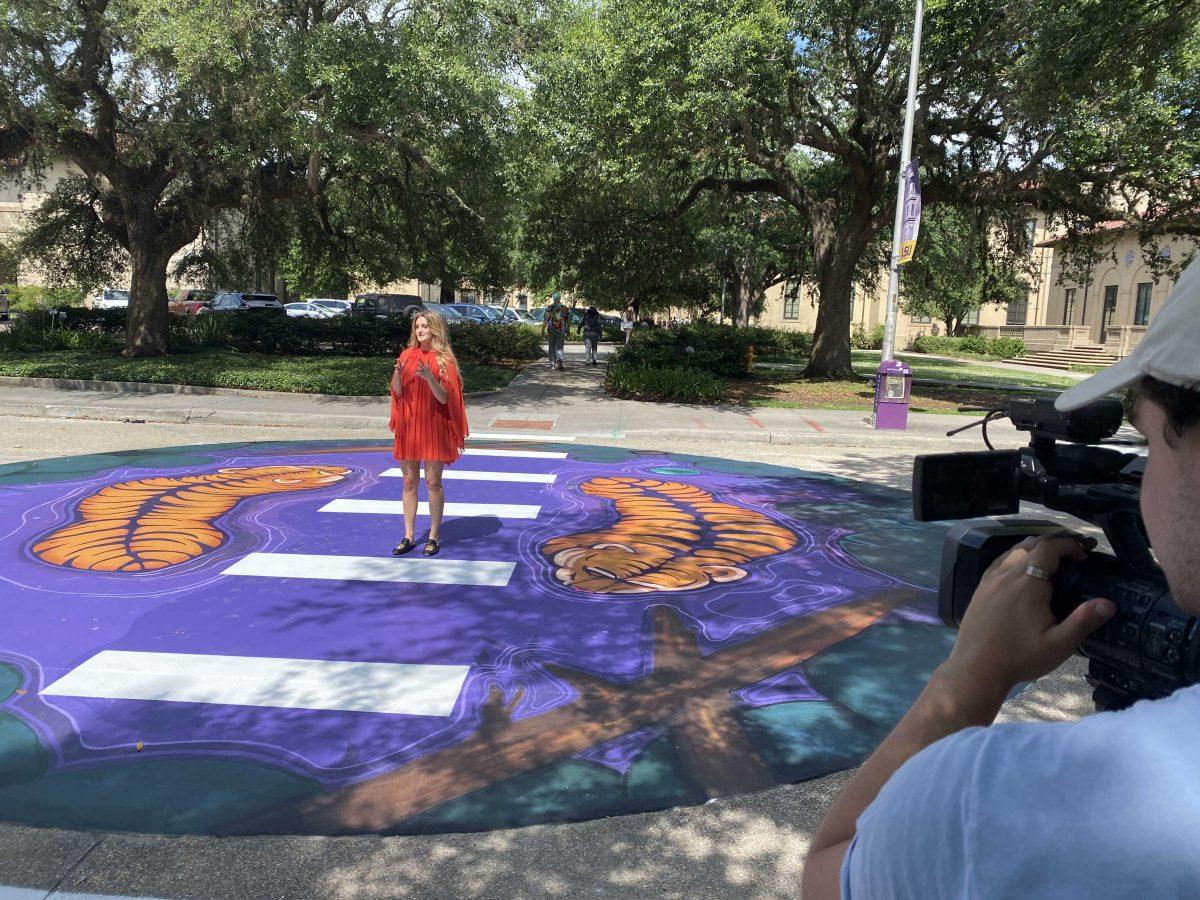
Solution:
(517, 454)
(396, 688)
(396, 508)
(477, 475)
(373, 568)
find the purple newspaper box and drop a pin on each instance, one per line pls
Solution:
(892, 387)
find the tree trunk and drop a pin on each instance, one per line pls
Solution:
(146, 324)
(949, 326)
(446, 291)
(742, 294)
(837, 247)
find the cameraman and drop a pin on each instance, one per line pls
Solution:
(951, 805)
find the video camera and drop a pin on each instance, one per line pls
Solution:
(1149, 647)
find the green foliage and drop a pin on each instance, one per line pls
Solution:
(718, 349)
(265, 332)
(357, 376)
(964, 259)
(941, 345)
(682, 384)
(64, 237)
(491, 344)
(861, 339)
(25, 297)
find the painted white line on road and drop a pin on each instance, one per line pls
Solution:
(396, 508)
(476, 475)
(520, 454)
(396, 688)
(373, 568)
(544, 436)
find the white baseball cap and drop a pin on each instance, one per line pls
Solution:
(1169, 350)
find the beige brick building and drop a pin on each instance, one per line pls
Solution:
(1109, 308)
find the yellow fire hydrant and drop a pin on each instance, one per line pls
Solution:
(750, 360)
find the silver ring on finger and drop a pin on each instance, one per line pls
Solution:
(1038, 572)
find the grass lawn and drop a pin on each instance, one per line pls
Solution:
(364, 376)
(783, 389)
(867, 361)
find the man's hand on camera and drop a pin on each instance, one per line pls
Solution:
(1009, 634)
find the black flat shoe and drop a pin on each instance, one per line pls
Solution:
(403, 547)
(431, 547)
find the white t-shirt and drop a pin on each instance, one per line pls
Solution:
(1107, 807)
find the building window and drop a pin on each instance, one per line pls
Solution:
(1030, 231)
(971, 318)
(1017, 311)
(1068, 306)
(1141, 313)
(921, 319)
(791, 302)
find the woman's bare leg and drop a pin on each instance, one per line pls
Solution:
(437, 497)
(412, 478)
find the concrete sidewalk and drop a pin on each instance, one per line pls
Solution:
(539, 401)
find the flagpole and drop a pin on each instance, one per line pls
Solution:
(889, 322)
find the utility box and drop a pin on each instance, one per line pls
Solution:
(893, 386)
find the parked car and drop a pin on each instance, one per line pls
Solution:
(536, 315)
(307, 311)
(383, 305)
(189, 301)
(3, 304)
(478, 313)
(447, 312)
(239, 301)
(518, 316)
(109, 298)
(335, 307)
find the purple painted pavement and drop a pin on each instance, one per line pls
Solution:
(57, 618)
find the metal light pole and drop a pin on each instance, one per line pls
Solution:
(889, 323)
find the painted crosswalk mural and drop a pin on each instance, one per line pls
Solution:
(218, 639)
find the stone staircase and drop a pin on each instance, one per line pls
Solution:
(1083, 355)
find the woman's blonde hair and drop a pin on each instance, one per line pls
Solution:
(439, 339)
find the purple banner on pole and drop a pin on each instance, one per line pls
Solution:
(912, 212)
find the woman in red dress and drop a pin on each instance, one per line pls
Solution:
(428, 420)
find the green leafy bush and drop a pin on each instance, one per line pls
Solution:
(28, 297)
(941, 345)
(679, 383)
(1006, 347)
(718, 349)
(490, 344)
(861, 339)
(973, 343)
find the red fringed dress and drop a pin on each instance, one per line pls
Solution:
(424, 428)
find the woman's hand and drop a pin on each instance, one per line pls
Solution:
(425, 372)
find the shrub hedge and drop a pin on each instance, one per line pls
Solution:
(941, 345)
(683, 384)
(270, 333)
(717, 349)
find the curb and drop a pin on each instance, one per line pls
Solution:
(206, 416)
(143, 387)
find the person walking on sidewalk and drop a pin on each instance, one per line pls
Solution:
(592, 330)
(627, 321)
(429, 420)
(555, 323)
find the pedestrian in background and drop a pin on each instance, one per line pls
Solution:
(554, 325)
(429, 421)
(627, 320)
(592, 329)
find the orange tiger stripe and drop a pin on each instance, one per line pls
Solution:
(153, 523)
(659, 541)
